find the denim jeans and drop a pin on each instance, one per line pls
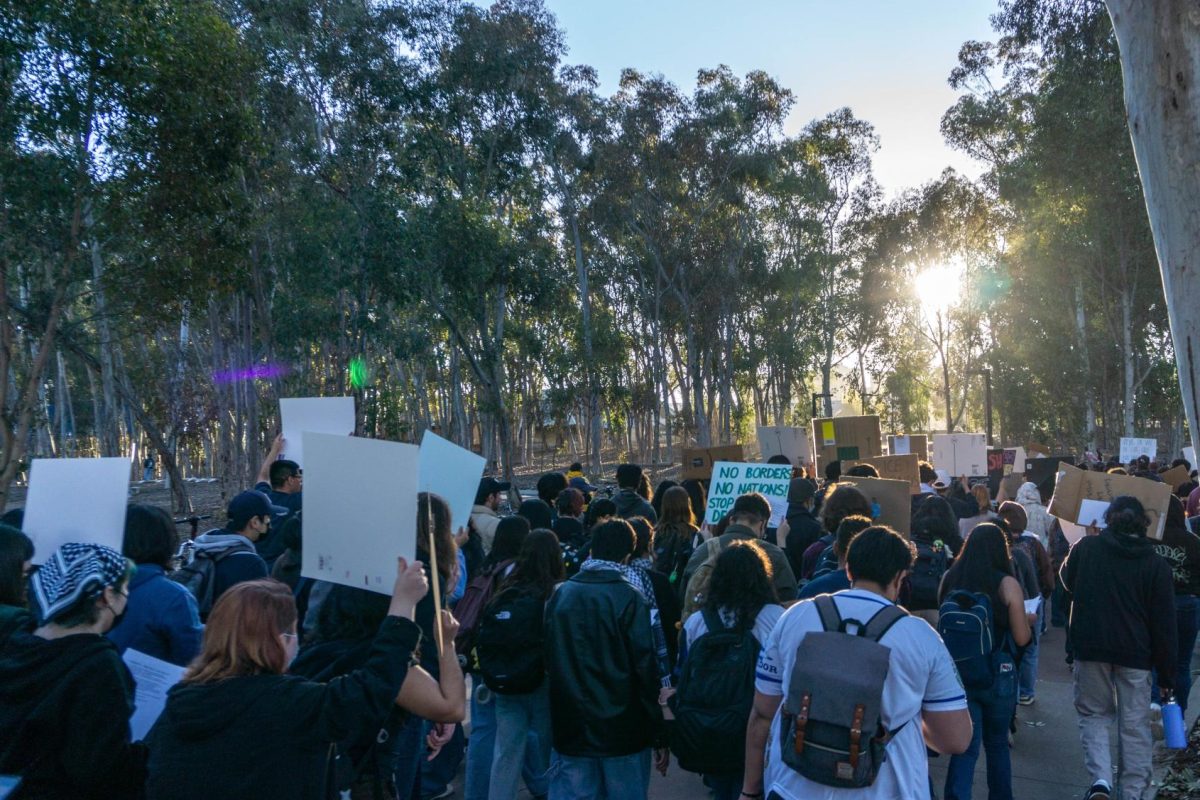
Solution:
(522, 740)
(1187, 617)
(991, 710)
(613, 778)
(410, 749)
(481, 748)
(1027, 682)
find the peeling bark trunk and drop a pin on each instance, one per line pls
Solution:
(1160, 59)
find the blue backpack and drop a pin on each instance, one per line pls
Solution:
(965, 623)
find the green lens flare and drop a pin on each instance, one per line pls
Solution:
(358, 372)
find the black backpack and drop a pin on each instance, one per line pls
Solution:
(509, 641)
(926, 576)
(200, 576)
(712, 705)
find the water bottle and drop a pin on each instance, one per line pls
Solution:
(1173, 732)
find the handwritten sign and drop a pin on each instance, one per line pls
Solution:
(1081, 496)
(730, 480)
(1132, 449)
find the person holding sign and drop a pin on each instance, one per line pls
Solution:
(238, 726)
(65, 695)
(747, 520)
(1122, 626)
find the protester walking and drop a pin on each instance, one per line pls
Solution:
(16, 554)
(982, 578)
(1181, 549)
(1025, 543)
(162, 619)
(676, 537)
(65, 695)
(513, 667)
(713, 700)
(1122, 626)
(238, 726)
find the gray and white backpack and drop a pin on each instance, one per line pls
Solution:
(831, 730)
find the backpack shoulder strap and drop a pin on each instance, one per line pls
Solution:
(831, 618)
(713, 548)
(712, 620)
(883, 621)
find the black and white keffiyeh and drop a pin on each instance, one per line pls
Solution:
(75, 570)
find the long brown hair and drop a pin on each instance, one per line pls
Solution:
(243, 633)
(677, 508)
(447, 551)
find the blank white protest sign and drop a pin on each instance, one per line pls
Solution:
(961, 454)
(360, 510)
(452, 473)
(299, 415)
(76, 500)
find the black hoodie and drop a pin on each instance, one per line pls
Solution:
(267, 736)
(1124, 604)
(64, 718)
(1181, 548)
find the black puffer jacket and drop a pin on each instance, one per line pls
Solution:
(1123, 609)
(601, 662)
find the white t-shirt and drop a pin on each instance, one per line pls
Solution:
(695, 627)
(921, 676)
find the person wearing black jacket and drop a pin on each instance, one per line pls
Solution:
(801, 528)
(1181, 548)
(604, 681)
(66, 696)
(238, 726)
(1122, 625)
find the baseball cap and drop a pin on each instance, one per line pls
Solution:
(249, 504)
(581, 484)
(488, 487)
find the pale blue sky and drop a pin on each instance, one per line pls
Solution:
(886, 60)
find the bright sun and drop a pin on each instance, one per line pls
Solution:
(938, 288)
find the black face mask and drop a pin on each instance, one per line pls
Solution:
(118, 618)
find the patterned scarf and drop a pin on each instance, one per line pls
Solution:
(75, 571)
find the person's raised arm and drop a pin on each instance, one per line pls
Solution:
(443, 700)
(1018, 621)
(264, 471)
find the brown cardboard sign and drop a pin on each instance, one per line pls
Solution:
(903, 444)
(847, 439)
(1033, 449)
(1081, 496)
(896, 468)
(698, 461)
(893, 498)
(1175, 477)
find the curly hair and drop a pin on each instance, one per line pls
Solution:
(741, 582)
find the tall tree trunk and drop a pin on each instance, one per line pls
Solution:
(1160, 60)
(106, 423)
(1128, 363)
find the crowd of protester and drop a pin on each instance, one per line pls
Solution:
(594, 636)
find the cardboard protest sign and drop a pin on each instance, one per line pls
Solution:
(846, 439)
(1132, 449)
(1175, 477)
(75, 500)
(299, 415)
(961, 454)
(898, 468)
(893, 499)
(782, 440)
(360, 509)
(729, 480)
(1035, 449)
(995, 470)
(452, 473)
(1082, 496)
(906, 444)
(698, 461)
